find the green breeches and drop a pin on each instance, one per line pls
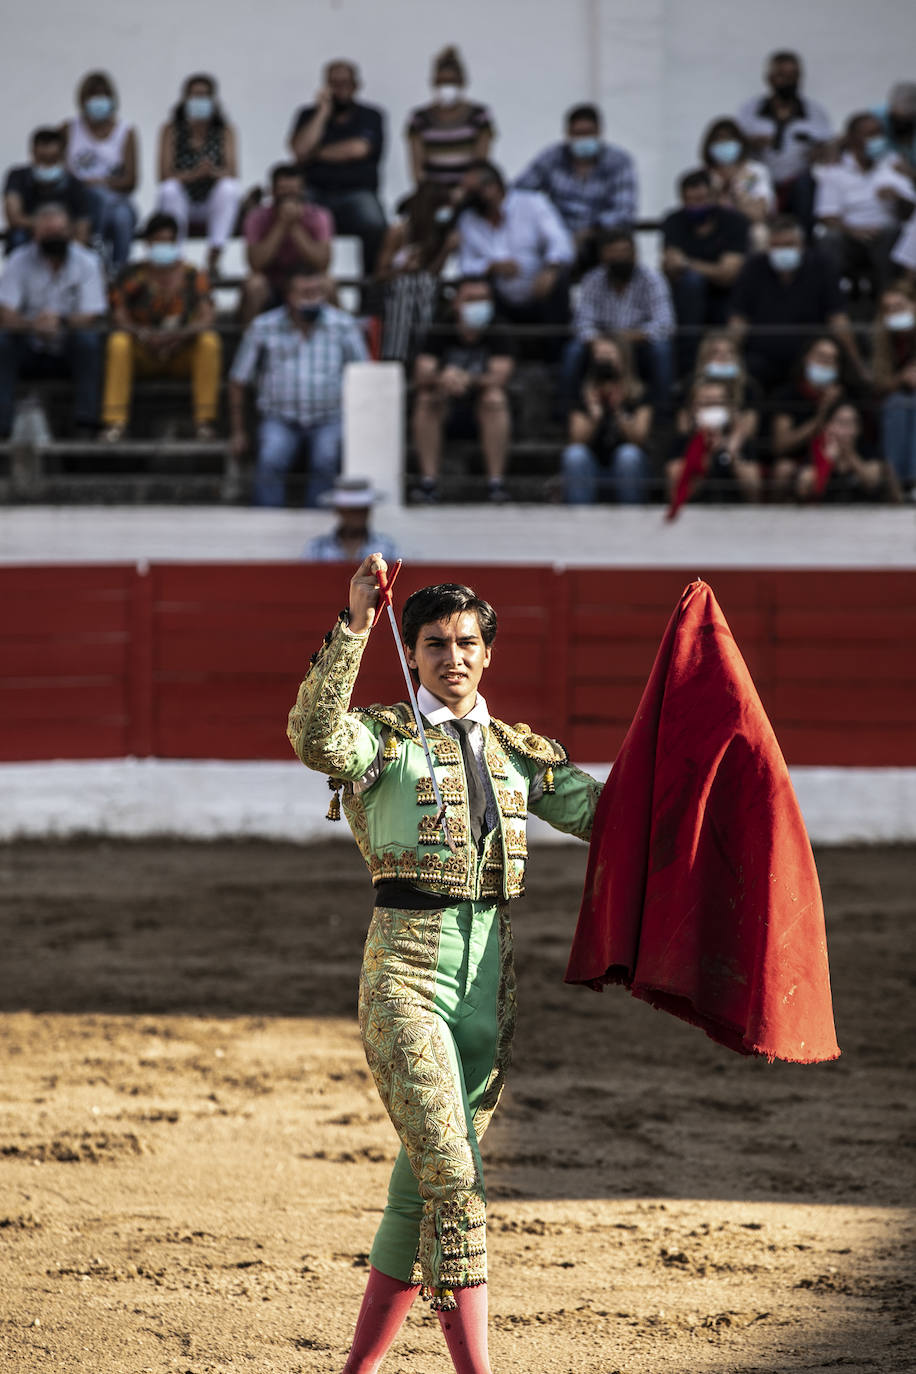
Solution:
(437, 1013)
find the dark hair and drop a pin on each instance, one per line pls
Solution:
(854, 123)
(487, 169)
(217, 119)
(698, 176)
(156, 223)
(589, 112)
(300, 274)
(735, 131)
(96, 83)
(441, 602)
(424, 230)
(618, 233)
(42, 137)
(784, 55)
(840, 404)
(784, 224)
(285, 169)
(449, 60)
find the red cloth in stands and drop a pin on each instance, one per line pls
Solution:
(701, 894)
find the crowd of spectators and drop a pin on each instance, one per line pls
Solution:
(772, 351)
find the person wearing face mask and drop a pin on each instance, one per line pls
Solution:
(720, 360)
(704, 246)
(894, 364)
(800, 409)
(295, 357)
(288, 235)
(737, 180)
(198, 167)
(163, 327)
(101, 151)
(52, 300)
(898, 121)
(461, 375)
(788, 131)
(338, 142)
(712, 459)
(608, 432)
(447, 135)
(861, 203)
(352, 538)
(592, 184)
(413, 254)
(630, 301)
(783, 296)
(44, 181)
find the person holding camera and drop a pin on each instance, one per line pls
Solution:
(608, 430)
(713, 460)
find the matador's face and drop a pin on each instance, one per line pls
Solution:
(449, 658)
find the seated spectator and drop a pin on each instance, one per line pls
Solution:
(446, 136)
(352, 539)
(338, 143)
(837, 471)
(45, 180)
(704, 248)
(461, 375)
(608, 432)
(738, 182)
(52, 297)
(800, 410)
(198, 167)
(898, 121)
(633, 302)
(592, 184)
(894, 362)
(413, 254)
(719, 360)
(101, 152)
(295, 356)
(903, 254)
(788, 132)
(781, 299)
(861, 202)
(162, 321)
(288, 235)
(712, 460)
(517, 240)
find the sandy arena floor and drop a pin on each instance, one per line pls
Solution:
(193, 1157)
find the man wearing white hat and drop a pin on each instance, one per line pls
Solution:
(352, 540)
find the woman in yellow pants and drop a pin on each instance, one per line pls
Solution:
(163, 319)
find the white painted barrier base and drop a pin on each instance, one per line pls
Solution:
(284, 801)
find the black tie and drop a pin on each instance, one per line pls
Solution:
(477, 797)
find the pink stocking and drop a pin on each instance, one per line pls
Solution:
(386, 1303)
(465, 1330)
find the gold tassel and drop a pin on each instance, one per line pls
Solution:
(549, 787)
(334, 808)
(391, 749)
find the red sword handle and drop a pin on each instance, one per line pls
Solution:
(386, 581)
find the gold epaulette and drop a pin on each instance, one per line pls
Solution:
(522, 739)
(398, 718)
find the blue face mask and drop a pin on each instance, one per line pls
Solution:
(876, 147)
(444, 214)
(476, 314)
(819, 374)
(198, 107)
(721, 371)
(787, 259)
(587, 147)
(99, 107)
(725, 150)
(48, 173)
(164, 254)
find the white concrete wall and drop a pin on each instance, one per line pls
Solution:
(659, 68)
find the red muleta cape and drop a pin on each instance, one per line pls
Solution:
(701, 894)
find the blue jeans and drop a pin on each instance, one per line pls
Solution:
(113, 220)
(898, 432)
(278, 443)
(80, 358)
(585, 479)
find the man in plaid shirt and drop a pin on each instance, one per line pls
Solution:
(296, 355)
(591, 183)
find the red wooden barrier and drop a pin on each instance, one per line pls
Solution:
(203, 660)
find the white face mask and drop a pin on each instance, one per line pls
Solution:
(712, 417)
(449, 94)
(900, 319)
(476, 314)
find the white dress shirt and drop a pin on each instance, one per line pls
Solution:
(530, 232)
(849, 193)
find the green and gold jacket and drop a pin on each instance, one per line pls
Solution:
(393, 817)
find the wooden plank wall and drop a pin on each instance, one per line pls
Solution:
(203, 660)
